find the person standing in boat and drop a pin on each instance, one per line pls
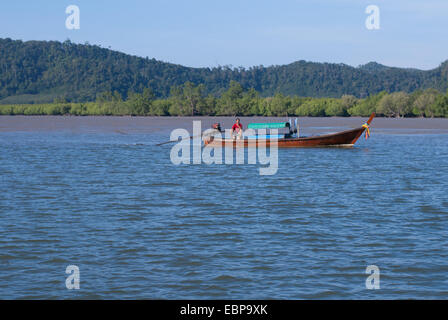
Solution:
(237, 130)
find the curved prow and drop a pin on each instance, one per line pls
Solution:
(371, 118)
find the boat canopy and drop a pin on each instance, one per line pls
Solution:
(273, 125)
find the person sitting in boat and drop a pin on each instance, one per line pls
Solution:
(237, 128)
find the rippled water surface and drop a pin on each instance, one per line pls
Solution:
(98, 193)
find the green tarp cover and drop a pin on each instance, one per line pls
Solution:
(273, 125)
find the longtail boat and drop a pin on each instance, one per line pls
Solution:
(292, 139)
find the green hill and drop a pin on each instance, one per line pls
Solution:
(40, 71)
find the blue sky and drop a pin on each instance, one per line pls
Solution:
(198, 33)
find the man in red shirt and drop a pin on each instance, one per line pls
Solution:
(238, 128)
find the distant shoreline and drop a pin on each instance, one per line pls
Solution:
(207, 116)
(164, 125)
(190, 100)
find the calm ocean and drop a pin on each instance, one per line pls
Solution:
(97, 193)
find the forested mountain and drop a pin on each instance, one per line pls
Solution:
(40, 71)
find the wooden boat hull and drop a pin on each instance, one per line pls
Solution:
(341, 139)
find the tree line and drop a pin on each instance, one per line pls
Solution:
(190, 100)
(40, 71)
